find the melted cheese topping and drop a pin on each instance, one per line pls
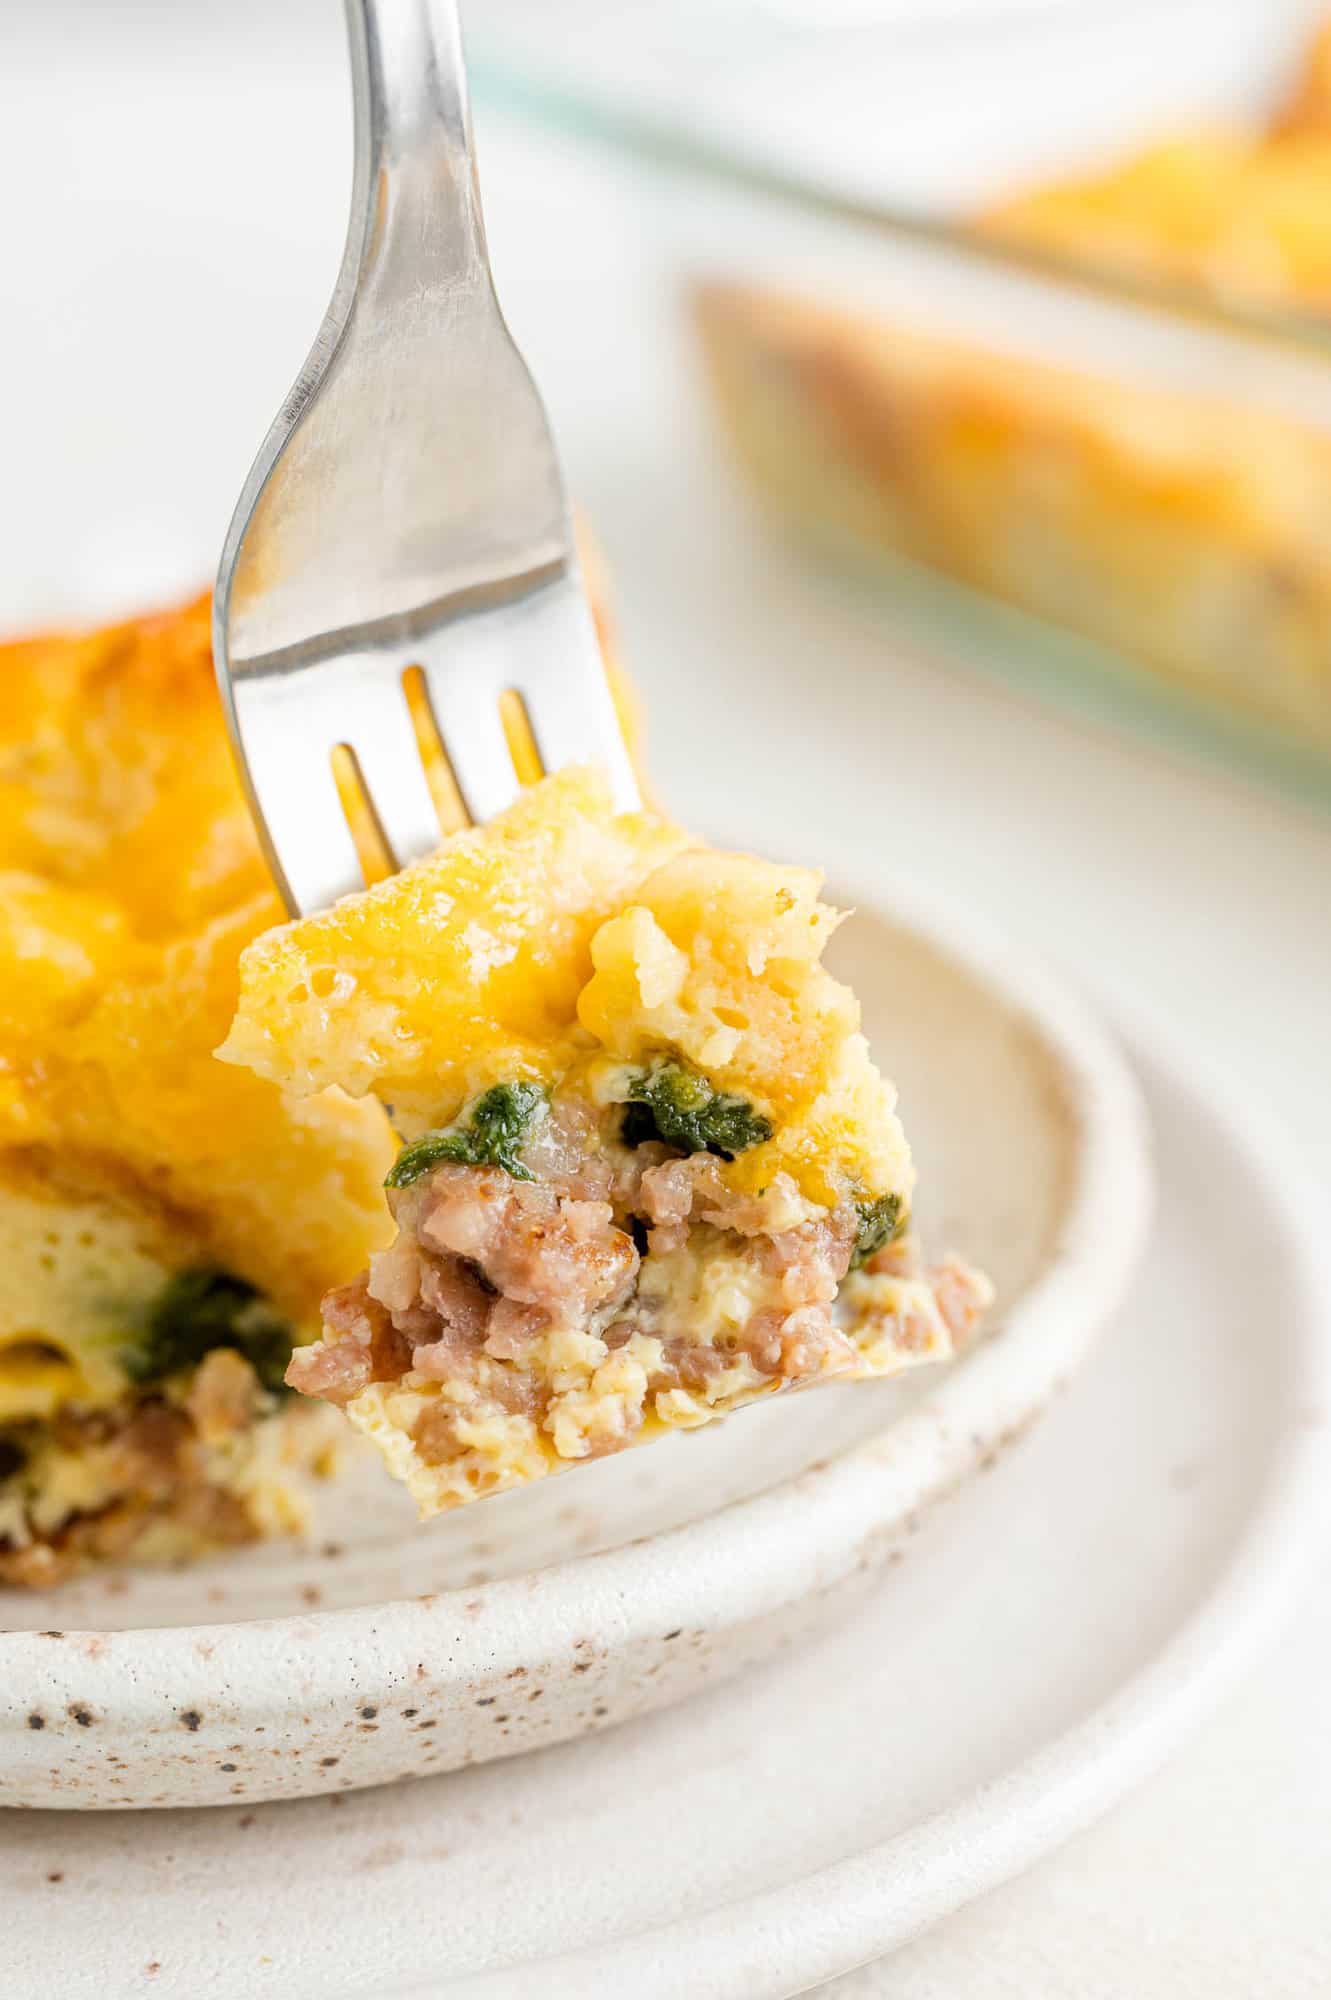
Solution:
(564, 939)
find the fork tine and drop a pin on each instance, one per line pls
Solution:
(302, 825)
(467, 666)
(556, 665)
(466, 712)
(373, 718)
(574, 721)
(543, 645)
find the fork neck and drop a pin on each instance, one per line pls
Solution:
(415, 173)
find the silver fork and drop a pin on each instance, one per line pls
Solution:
(406, 510)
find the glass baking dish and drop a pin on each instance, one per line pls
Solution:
(1109, 486)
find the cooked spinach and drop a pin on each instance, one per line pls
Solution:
(673, 1103)
(881, 1222)
(491, 1136)
(203, 1308)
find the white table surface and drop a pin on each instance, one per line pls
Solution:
(1166, 886)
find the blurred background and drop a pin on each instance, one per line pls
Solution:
(948, 386)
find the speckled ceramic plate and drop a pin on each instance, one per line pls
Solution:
(1052, 1632)
(381, 1649)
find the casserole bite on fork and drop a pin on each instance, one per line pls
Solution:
(649, 1170)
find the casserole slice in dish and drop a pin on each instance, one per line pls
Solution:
(167, 1226)
(1174, 517)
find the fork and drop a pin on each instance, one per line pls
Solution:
(405, 529)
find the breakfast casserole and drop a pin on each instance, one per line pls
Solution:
(168, 1225)
(649, 1172)
(1178, 528)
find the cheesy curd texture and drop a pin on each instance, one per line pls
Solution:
(650, 1172)
(1181, 529)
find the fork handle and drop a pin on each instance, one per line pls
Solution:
(415, 186)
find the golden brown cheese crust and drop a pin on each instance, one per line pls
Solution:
(455, 972)
(563, 935)
(116, 775)
(1240, 215)
(1306, 106)
(1237, 212)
